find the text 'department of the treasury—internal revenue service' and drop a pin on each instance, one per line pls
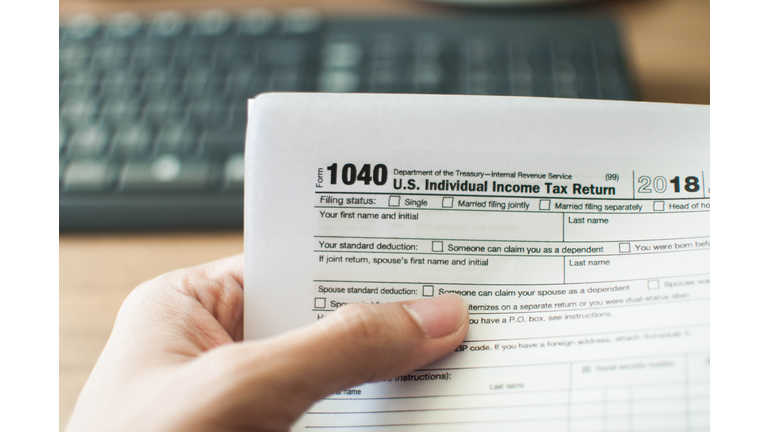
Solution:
(576, 231)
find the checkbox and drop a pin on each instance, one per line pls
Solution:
(544, 204)
(394, 201)
(653, 284)
(658, 206)
(428, 291)
(319, 302)
(437, 246)
(447, 202)
(624, 248)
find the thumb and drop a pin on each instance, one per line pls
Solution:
(358, 343)
(363, 343)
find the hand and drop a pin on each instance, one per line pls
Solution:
(176, 360)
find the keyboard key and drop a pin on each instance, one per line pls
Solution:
(175, 138)
(288, 52)
(62, 168)
(386, 47)
(142, 51)
(342, 55)
(118, 110)
(157, 79)
(199, 110)
(196, 79)
(234, 172)
(73, 57)
(383, 80)
(238, 79)
(606, 47)
(89, 141)
(255, 86)
(120, 82)
(158, 109)
(224, 52)
(520, 78)
(338, 81)
(111, 54)
(301, 21)
(428, 47)
(285, 79)
(63, 135)
(478, 52)
(212, 23)
(132, 140)
(565, 79)
(239, 119)
(612, 85)
(80, 83)
(166, 168)
(156, 54)
(221, 115)
(167, 24)
(480, 82)
(427, 78)
(86, 176)
(256, 22)
(81, 27)
(79, 110)
(225, 141)
(123, 25)
(167, 173)
(586, 71)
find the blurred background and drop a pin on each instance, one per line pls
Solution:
(152, 108)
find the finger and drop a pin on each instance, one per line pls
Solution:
(357, 344)
(219, 289)
(195, 308)
(230, 267)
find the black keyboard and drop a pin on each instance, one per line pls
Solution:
(153, 108)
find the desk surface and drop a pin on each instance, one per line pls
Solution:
(667, 42)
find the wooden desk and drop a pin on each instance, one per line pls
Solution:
(668, 49)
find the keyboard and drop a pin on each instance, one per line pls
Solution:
(153, 108)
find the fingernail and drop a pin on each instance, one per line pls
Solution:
(439, 316)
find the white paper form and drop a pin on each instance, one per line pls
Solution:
(577, 232)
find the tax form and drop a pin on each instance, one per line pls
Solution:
(576, 230)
